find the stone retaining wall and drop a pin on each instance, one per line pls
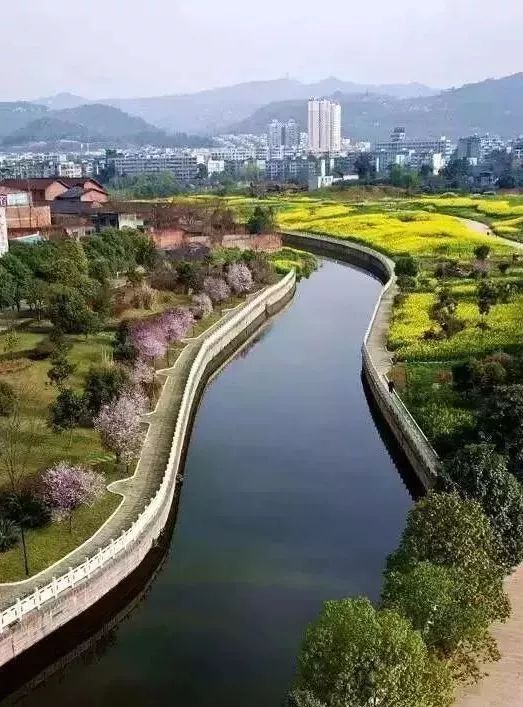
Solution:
(375, 357)
(48, 608)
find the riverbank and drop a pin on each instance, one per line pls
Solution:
(84, 584)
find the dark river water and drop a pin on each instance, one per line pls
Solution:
(289, 498)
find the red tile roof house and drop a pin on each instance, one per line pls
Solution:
(44, 190)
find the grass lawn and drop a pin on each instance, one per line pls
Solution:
(46, 546)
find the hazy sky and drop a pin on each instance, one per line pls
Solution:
(110, 48)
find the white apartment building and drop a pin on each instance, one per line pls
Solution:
(324, 126)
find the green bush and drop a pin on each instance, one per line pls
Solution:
(7, 398)
(407, 265)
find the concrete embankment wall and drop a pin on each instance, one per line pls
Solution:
(375, 357)
(36, 616)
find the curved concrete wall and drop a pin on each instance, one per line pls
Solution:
(47, 609)
(375, 357)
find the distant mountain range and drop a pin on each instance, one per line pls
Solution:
(369, 112)
(492, 106)
(212, 111)
(26, 124)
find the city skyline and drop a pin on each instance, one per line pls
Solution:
(226, 31)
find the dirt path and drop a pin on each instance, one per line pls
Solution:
(503, 686)
(485, 230)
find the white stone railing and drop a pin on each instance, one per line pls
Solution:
(392, 400)
(409, 434)
(150, 523)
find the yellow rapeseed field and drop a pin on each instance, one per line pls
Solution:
(417, 232)
(411, 320)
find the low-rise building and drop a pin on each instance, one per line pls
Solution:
(183, 167)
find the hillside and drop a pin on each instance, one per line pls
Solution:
(48, 129)
(16, 114)
(61, 101)
(95, 123)
(491, 106)
(211, 111)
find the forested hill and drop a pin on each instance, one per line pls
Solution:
(493, 106)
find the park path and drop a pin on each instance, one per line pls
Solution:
(503, 686)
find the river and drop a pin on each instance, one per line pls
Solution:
(289, 498)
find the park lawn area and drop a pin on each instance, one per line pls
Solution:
(411, 319)
(23, 341)
(45, 546)
(49, 544)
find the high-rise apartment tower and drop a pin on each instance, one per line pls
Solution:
(324, 125)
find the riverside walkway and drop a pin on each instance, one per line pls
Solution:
(142, 485)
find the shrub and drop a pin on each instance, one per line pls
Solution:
(217, 289)
(406, 283)
(239, 278)
(143, 297)
(201, 305)
(407, 265)
(7, 398)
(9, 534)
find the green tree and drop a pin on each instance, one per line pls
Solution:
(37, 295)
(102, 385)
(445, 529)
(7, 289)
(69, 312)
(9, 534)
(21, 276)
(365, 167)
(262, 220)
(67, 411)
(482, 252)
(123, 348)
(500, 421)
(60, 370)
(479, 473)
(444, 605)
(354, 654)
(99, 270)
(487, 295)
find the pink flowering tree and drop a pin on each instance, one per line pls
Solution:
(66, 487)
(239, 278)
(120, 425)
(149, 339)
(142, 376)
(176, 323)
(217, 289)
(201, 305)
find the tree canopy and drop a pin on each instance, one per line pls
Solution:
(354, 654)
